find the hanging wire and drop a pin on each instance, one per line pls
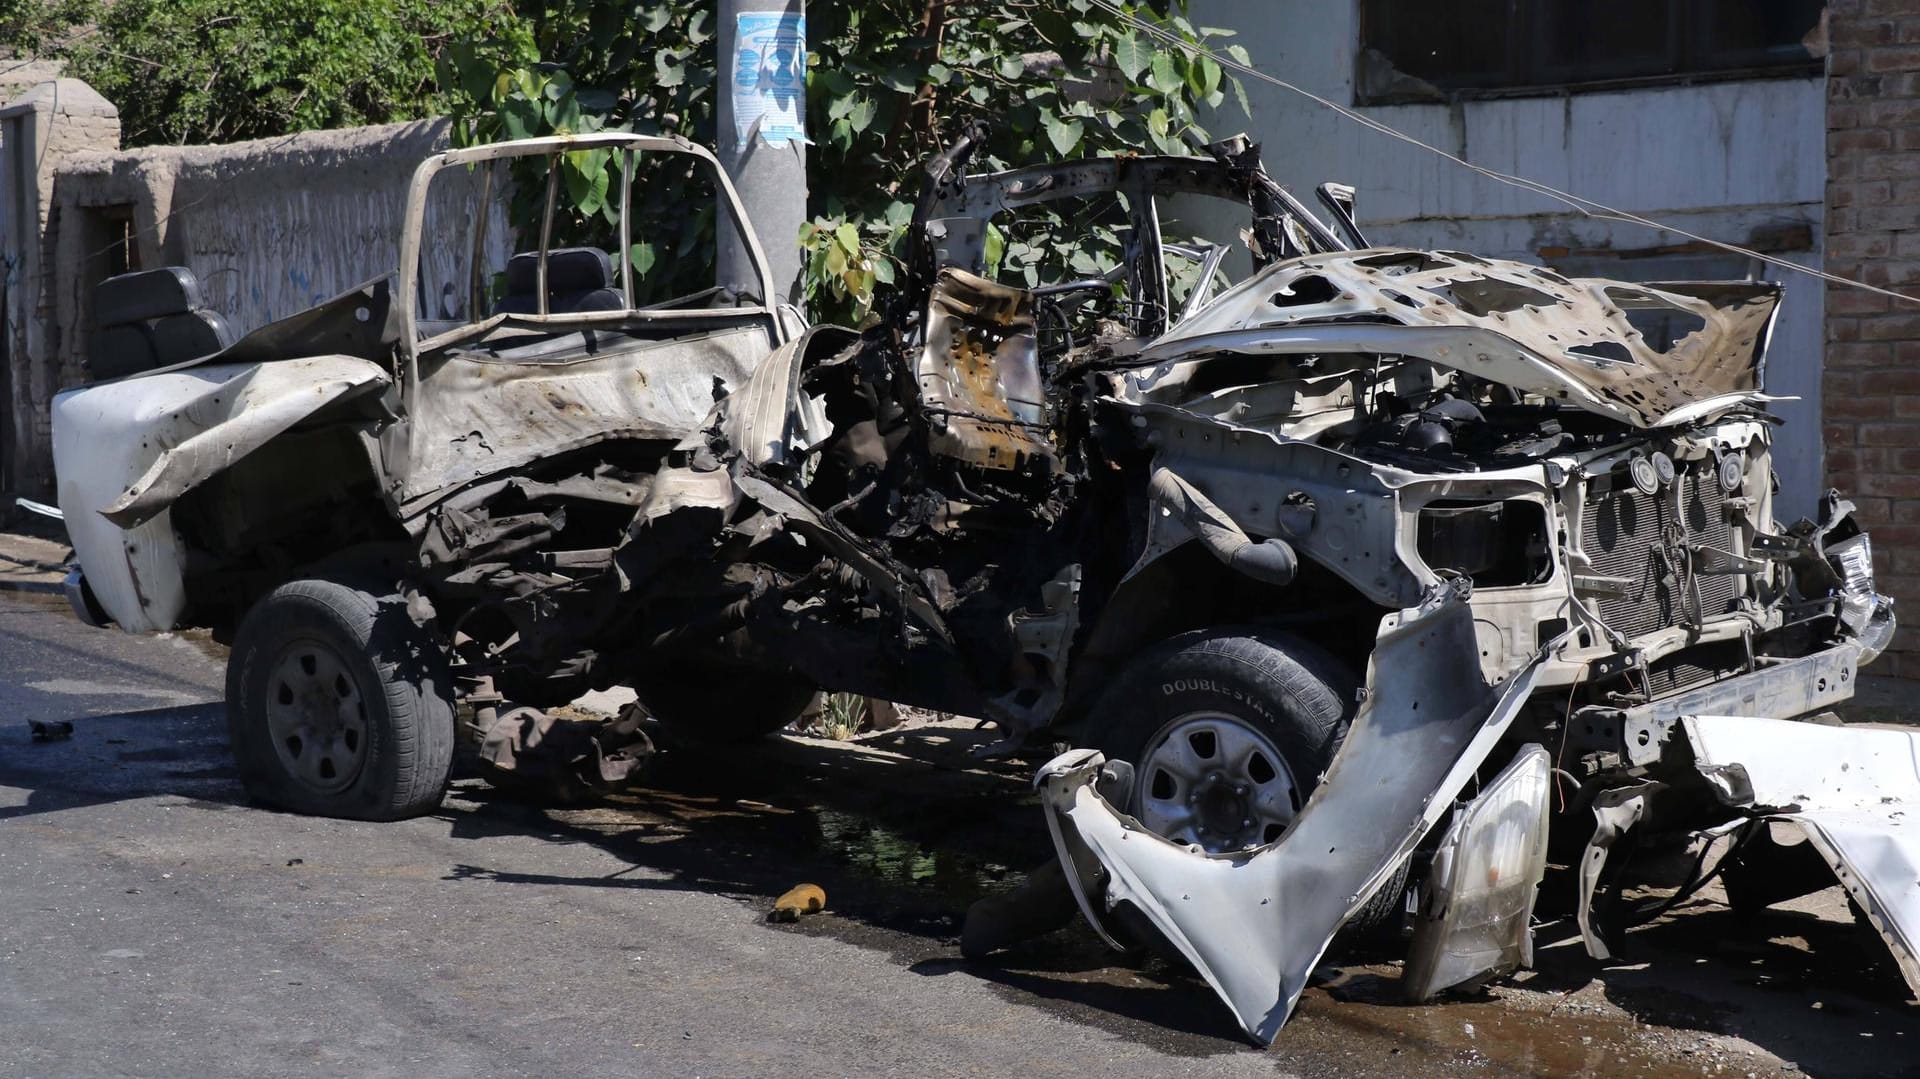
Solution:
(1584, 206)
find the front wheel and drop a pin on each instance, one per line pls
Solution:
(338, 705)
(1228, 734)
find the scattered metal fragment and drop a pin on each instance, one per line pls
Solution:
(1855, 791)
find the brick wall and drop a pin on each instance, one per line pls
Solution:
(1872, 376)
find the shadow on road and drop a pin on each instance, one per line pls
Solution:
(905, 832)
(178, 749)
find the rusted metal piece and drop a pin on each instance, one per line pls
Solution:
(568, 756)
(979, 376)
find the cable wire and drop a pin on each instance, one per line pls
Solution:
(1584, 206)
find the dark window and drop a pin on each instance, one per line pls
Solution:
(1416, 50)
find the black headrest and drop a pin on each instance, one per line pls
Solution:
(179, 338)
(120, 350)
(569, 269)
(131, 297)
(563, 303)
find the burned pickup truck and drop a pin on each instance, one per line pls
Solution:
(1336, 568)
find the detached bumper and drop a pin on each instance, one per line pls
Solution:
(1790, 688)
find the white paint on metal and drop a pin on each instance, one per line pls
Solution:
(117, 442)
(1255, 924)
(1855, 791)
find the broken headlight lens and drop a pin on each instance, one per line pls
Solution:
(1867, 613)
(1852, 559)
(1473, 921)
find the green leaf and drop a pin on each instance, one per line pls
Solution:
(1063, 134)
(563, 116)
(1208, 72)
(1131, 56)
(586, 180)
(849, 238)
(668, 69)
(862, 114)
(1162, 75)
(883, 270)
(995, 248)
(1157, 122)
(521, 117)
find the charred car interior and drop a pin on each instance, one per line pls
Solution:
(1368, 550)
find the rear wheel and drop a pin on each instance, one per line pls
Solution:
(338, 705)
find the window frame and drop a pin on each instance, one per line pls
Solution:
(1528, 33)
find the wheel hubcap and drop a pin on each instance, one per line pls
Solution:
(316, 717)
(1210, 779)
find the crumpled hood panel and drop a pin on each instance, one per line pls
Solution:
(1513, 323)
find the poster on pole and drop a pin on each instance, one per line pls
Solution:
(770, 76)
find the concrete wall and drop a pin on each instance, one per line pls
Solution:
(39, 130)
(1873, 343)
(270, 227)
(1741, 162)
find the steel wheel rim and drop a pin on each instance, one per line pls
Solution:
(316, 716)
(1213, 780)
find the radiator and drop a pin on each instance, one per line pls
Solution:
(1622, 532)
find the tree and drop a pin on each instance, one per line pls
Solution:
(888, 82)
(220, 70)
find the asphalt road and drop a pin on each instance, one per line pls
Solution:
(154, 923)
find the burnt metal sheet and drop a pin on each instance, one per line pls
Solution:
(772, 417)
(1855, 791)
(475, 415)
(979, 375)
(216, 414)
(1255, 924)
(1513, 323)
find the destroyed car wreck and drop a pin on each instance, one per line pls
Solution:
(1369, 549)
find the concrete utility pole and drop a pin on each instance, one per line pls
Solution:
(763, 107)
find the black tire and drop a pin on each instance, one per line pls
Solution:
(1293, 695)
(724, 703)
(354, 668)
